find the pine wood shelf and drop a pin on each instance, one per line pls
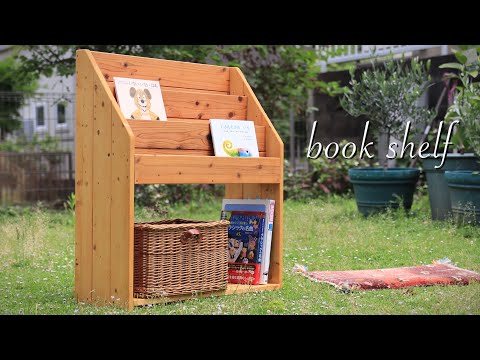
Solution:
(113, 154)
(181, 169)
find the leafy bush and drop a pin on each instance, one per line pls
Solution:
(331, 176)
(161, 196)
(466, 106)
(328, 176)
(69, 204)
(22, 84)
(21, 144)
(296, 185)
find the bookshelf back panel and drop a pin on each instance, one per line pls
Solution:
(111, 86)
(200, 105)
(204, 106)
(189, 137)
(170, 73)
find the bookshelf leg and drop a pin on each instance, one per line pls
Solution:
(275, 192)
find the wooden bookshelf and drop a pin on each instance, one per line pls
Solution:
(113, 154)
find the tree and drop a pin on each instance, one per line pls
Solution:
(388, 96)
(280, 75)
(15, 87)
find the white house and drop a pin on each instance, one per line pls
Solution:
(51, 111)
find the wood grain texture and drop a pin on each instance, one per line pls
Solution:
(252, 191)
(116, 163)
(274, 148)
(231, 289)
(233, 191)
(140, 151)
(111, 86)
(83, 179)
(173, 169)
(122, 213)
(179, 135)
(102, 192)
(170, 73)
(275, 191)
(122, 190)
(255, 111)
(189, 105)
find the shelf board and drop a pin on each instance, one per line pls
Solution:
(183, 169)
(231, 289)
(180, 135)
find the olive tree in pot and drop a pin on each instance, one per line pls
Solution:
(388, 96)
(464, 185)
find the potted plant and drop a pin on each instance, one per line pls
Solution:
(464, 185)
(388, 97)
(438, 191)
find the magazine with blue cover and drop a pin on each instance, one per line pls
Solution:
(246, 234)
(266, 206)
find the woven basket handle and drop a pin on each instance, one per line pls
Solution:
(192, 234)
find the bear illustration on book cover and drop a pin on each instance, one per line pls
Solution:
(140, 99)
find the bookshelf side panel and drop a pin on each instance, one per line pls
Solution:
(112, 192)
(83, 177)
(274, 148)
(102, 194)
(122, 214)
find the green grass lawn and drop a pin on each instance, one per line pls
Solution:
(37, 262)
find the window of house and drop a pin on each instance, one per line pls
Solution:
(61, 119)
(40, 116)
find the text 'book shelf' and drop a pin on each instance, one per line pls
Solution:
(114, 153)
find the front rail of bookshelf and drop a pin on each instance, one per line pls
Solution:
(182, 169)
(231, 290)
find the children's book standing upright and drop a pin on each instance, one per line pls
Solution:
(140, 99)
(236, 138)
(265, 207)
(245, 238)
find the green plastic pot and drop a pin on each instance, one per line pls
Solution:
(438, 192)
(464, 189)
(377, 189)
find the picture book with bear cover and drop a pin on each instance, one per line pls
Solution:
(245, 243)
(236, 138)
(140, 99)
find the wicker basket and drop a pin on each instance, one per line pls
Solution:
(176, 257)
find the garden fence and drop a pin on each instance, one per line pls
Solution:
(37, 147)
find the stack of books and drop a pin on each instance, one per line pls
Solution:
(249, 239)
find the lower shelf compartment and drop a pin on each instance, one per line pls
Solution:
(231, 289)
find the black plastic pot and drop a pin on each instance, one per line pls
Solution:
(438, 192)
(377, 189)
